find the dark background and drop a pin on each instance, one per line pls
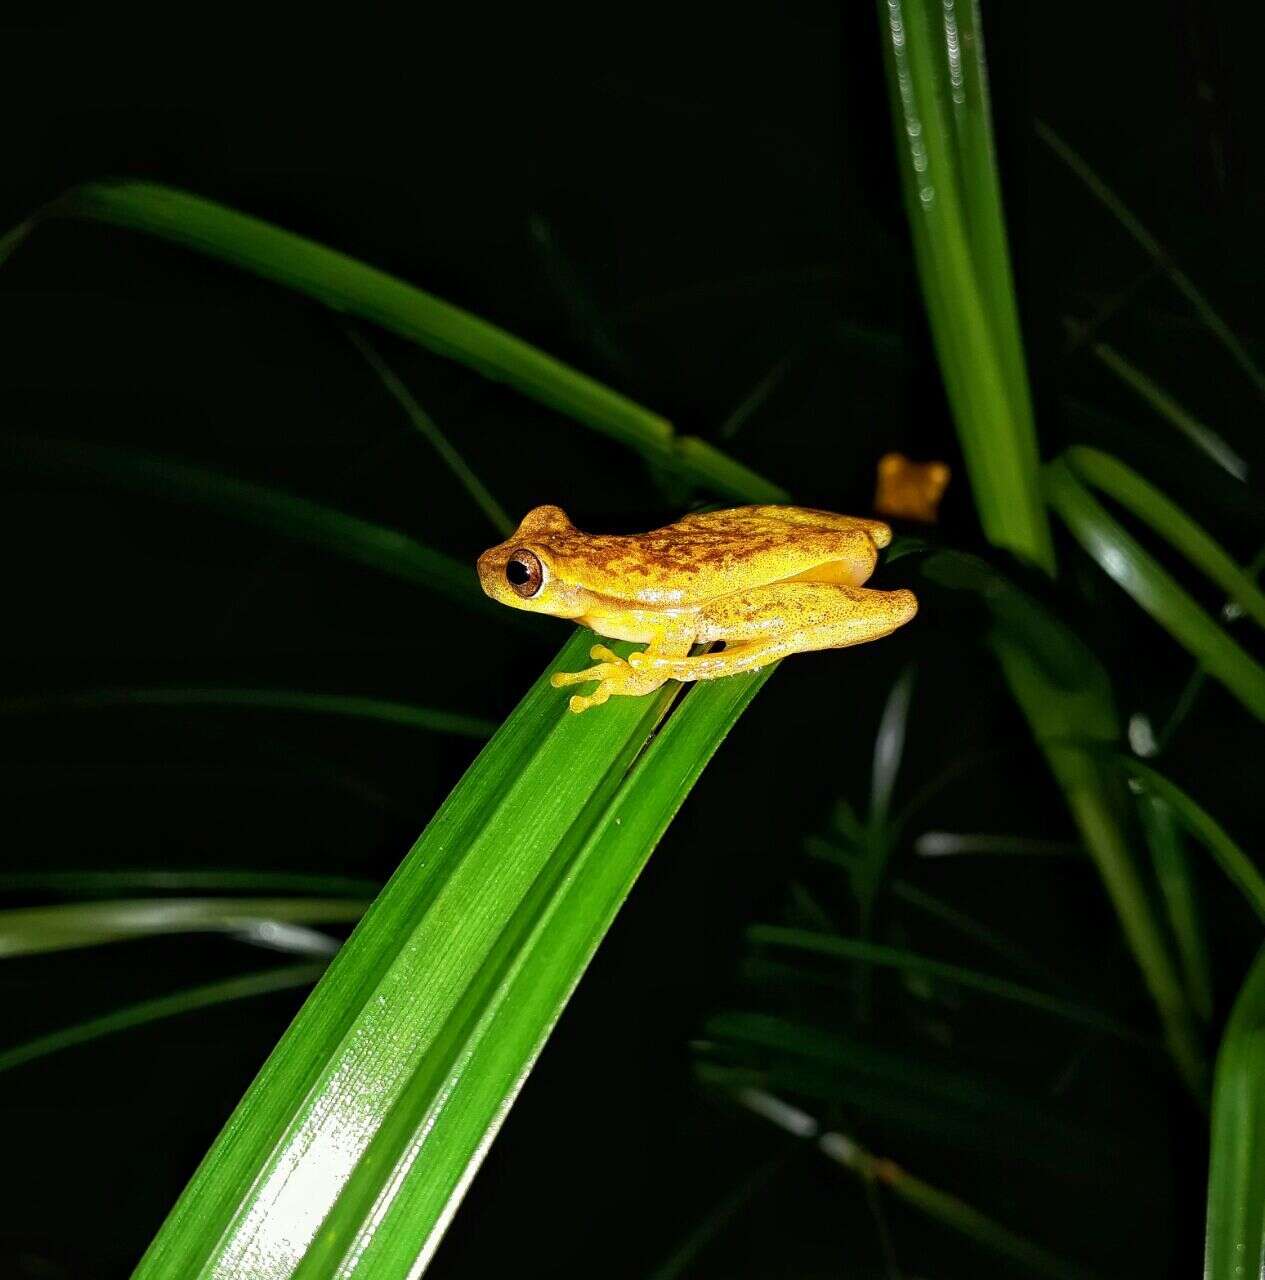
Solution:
(674, 203)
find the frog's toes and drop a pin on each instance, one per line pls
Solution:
(600, 653)
(594, 699)
(614, 668)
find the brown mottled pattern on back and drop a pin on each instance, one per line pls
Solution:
(704, 556)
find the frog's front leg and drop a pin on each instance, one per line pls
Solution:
(619, 677)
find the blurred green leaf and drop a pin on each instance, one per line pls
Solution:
(365, 1126)
(328, 704)
(1198, 433)
(1241, 870)
(429, 430)
(952, 196)
(877, 955)
(889, 747)
(1066, 697)
(887, 1086)
(160, 880)
(1235, 1243)
(1179, 888)
(368, 544)
(1123, 558)
(943, 1206)
(28, 931)
(948, 844)
(1145, 501)
(346, 285)
(1157, 252)
(204, 997)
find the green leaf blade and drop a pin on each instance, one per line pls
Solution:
(365, 1126)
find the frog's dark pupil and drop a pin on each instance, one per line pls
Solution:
(517, 572)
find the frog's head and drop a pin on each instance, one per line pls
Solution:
(522, 571)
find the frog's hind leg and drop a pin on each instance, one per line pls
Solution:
(770, 623)
(617, 677)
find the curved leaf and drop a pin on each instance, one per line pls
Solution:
(1123, 558)
(136, 1015)
(344, 284)
(1207, 830)
(380, 548)
(28, 931)
(364, 1128)
(1145, 501)
(1235, 1242)
(880, 956)
(330, 704)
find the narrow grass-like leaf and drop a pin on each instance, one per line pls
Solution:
(886, 1085)
(1155, 251)
(1179, 889)
(355, 288)
(327, 704)
(28, 931)
(963, 1217)
(1241, 870)
(204, 997)
(884, 957)
(1201, 435)
(1235, 1243)
(379, 548)
(1123, 558)
(1162, 514)
(952, 198)
(954, 212)
(889, 747)
(430, 431)
(965, 924)
(948, 844)
(224, 880)
(936, 1203)
(1066, 697)
(362, 1132)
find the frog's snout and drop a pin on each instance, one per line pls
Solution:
(491, 570)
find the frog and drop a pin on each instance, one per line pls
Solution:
(765, 581)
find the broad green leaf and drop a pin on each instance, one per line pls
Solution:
(346, 285)
(379, 548)
(952, 196)
(1235, 1243)
(877, 955)
(328, 704)
(1162, 514)
(355, 1144)
(1154, 250)
(1123, 558)
(28, 931)
(135, 1015)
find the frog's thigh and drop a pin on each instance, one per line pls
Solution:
(767, 623)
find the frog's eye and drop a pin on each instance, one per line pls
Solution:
(524, 573)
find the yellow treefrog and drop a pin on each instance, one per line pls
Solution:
(767, 581)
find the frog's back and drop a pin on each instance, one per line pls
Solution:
(713, 553)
